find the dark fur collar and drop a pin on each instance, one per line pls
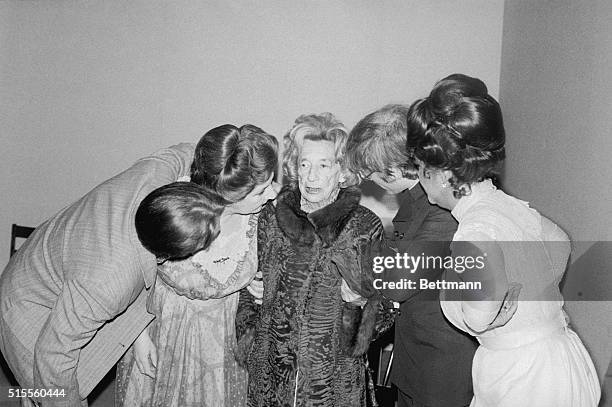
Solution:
(327, 222)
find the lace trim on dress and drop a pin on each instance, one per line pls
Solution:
(192, 279)
(251, 238)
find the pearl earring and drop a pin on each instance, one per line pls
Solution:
(444, 184)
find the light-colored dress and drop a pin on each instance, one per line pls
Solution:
(194, 303)
(536, 359)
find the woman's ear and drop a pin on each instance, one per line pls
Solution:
(446, 176)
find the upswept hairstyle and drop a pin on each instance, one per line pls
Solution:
(458, 127)
(178, 220)
(232, 161)
(378, 142)
(324, 126)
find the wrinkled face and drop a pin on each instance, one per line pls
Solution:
(319, 174)
(256, 199)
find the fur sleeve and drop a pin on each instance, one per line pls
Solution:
(247, 314)
(376, 315)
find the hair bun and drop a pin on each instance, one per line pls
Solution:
(229, 153)
(463, 129)
(450, 91)
(231, 160)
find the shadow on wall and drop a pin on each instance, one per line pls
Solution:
(588, 277)
(586, 289)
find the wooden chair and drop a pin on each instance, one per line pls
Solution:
(19, 232)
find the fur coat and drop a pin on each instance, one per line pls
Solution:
(308, 344)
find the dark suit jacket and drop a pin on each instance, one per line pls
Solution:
(432, 359)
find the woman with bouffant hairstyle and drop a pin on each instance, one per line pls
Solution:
(186, 356)
(528, 355)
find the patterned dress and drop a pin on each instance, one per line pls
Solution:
(308, 344)
(194, 303)
(536, 359)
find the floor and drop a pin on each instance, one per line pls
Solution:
(102, 396)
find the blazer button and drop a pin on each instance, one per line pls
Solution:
(395, 233)
(401, 236)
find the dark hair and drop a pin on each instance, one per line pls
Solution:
(378, 142)
(178, 220)
(232, 161)
(458, 127)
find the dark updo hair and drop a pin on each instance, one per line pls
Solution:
(232, 161)
(458, 127)
(177, 220)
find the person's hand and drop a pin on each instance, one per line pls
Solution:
(145, 354)
(509, 306)
(351, 296)
(256, 288)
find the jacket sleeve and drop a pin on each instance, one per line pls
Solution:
(377, 313)
(168, 164)
(413, 266)
(97, 249)
(418, 257)
(81, 309)
(355, 260)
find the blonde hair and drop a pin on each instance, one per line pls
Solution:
(323, 127)
(378, 142)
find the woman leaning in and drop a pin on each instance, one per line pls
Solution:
(195, 298)
(305, 346)
(534, 359)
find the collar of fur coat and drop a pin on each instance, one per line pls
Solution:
(326, 223)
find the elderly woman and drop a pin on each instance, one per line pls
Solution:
(306, 344)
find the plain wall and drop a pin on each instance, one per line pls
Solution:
(88, 87)
(556, 97)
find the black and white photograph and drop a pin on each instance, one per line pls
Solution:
(309, 203)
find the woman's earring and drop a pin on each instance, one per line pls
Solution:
(444, 184)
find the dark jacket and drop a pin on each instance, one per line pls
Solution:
(432, 359)
(304, 329)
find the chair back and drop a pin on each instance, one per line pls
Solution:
(19, 232)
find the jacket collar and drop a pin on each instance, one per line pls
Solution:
(327, 223)
(407, 199)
